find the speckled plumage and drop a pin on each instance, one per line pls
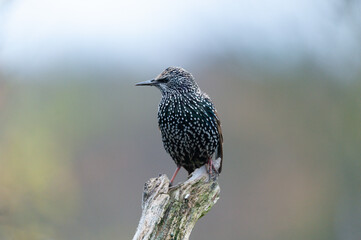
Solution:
(187, 119)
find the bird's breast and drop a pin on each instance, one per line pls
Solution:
(184, 122)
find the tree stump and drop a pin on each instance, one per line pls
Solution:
(171, 212)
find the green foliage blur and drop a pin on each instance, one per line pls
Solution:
(78, 140)
(75, 150)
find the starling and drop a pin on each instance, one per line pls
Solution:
(188, 121)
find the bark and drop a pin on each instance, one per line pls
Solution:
(171, 212)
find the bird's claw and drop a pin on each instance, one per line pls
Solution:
(212, 172)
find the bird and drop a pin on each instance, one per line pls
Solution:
(188, 122)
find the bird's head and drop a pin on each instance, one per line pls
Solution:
(173, 80)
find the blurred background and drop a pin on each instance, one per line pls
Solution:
(78, 140)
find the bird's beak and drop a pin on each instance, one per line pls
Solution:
(147, 83)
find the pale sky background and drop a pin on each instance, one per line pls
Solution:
(77, 144)
(39, 34)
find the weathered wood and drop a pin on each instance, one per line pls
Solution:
(171, 212)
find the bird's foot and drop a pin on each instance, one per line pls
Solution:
(212, 171)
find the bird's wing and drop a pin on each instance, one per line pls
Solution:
(219, 153)
(212, 110)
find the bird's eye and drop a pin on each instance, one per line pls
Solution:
(163, 80)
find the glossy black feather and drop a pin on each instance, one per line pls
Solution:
(188, 120)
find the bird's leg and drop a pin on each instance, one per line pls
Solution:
(214, 169)
(211, 168)
(175, 174)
